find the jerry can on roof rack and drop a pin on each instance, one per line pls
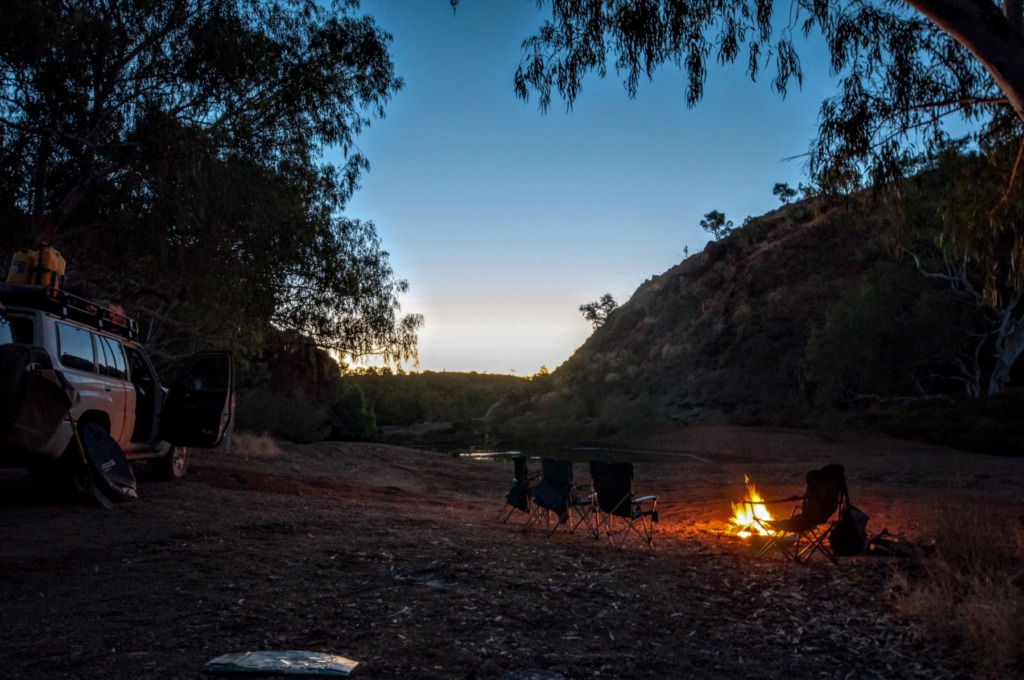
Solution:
(49, 270)
(21, 266)
(43, 267)
(112, 314)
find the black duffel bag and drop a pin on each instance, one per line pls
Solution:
(850, 534)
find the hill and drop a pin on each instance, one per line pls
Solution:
(723, 338)
(719, 338)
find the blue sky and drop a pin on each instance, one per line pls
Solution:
(505, 220)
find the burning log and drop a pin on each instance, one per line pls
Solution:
(750, 516)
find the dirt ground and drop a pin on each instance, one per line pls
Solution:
(394, 558)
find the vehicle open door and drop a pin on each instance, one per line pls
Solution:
(200, 404)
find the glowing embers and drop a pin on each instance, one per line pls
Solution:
(750, 516)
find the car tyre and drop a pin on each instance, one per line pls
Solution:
(174, 465)
(73, 474)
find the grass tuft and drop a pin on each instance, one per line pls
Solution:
(969, 592)
(252, 445)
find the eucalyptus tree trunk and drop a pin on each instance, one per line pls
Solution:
(1000, 340)
(1009, 345)
(994, 35)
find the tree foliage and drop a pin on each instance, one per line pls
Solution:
(432, 397)
(597, 312)
(715, 224)
(295, 390)
(974, 247)
(903, 67)
(963, 323)
(895, 336)
(784, 192)
(174, 152)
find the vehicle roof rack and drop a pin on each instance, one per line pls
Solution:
(104, 316)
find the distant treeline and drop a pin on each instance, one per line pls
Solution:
(296, 391)
(399, 399)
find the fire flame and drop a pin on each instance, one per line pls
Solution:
(749, 515)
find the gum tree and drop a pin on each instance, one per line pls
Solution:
(174, 151)
(597, 312)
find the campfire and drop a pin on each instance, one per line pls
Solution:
(750, 514)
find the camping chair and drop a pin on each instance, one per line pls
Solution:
(556, 500)
(622, 513)
(520, 493)
(806, 531)
(583, 505)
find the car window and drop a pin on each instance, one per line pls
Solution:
(138, 368)
(120, 361)
(15, 329)
(103, 359)
(113, 361)
(75, 347)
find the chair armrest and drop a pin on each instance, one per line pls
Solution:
(581, 498)
(644, 499)
(791, 499)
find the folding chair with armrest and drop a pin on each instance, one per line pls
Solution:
(621, 512)
(556, 499)
(520, 492)
(807, 529)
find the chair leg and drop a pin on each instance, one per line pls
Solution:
(614, 534)
(642, 527)
(639, 522)
(768, 544)
(551, 520)
(816, 543)
(608, 529)
(646, 529)
(547, 523)
(805, 543)
(533, 516)
(647, 522)
(777, 541)
(506, 513)
(585, 515)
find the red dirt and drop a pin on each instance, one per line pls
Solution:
(394, 557)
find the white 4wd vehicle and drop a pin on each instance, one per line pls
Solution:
(115, 385)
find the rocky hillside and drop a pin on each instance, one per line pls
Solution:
(721, 336)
